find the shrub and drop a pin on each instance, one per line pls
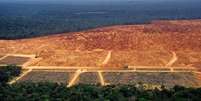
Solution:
(8, 72)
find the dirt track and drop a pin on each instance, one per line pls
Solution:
(102, 81)
(107, 58)
(173, 60)
(76, 75)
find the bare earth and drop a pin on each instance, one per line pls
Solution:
(161, 43)
(155, 53)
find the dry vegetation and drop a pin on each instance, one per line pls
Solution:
(147, 45)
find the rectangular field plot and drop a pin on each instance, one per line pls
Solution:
(72, 58)
(14, 60)
(47, 76)
(119, 77)
(167, 79)
(88, 78)
(136, 58)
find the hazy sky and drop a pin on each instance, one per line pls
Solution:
(68, 1)
(63, 0)
(90, 1)
(81, 0)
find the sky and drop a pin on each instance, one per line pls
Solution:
(77, 0)
(54, 1)
(66, 1)
(87, 1)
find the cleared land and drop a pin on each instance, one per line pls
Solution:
(114, 78)
(144, 45)
(88, 78)
(167, 79)
(164, 44)
(73, 58)
(48, 76)
(14, 60)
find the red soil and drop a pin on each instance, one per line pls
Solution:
(149, 44)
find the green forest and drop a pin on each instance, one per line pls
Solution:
(58, 92)
(19, 20)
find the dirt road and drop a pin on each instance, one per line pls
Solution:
(107, 58)
(173, 60)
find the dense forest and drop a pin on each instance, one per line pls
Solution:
(58, 92)
(24, 20)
